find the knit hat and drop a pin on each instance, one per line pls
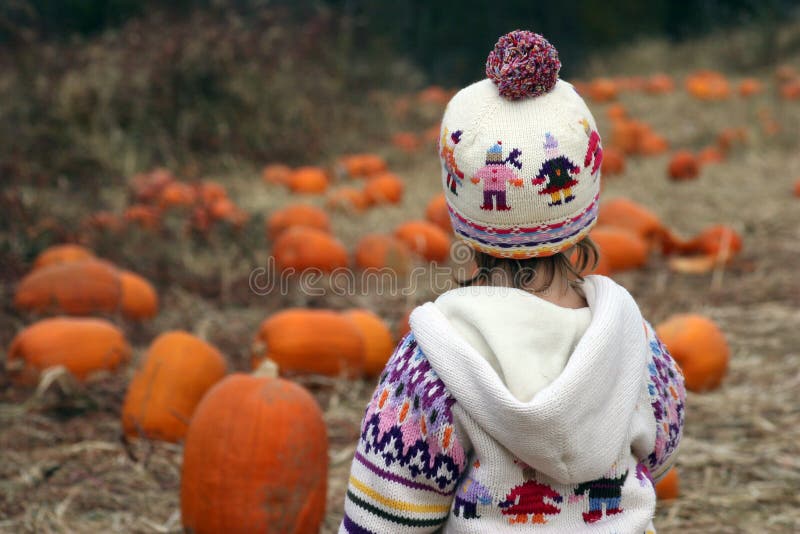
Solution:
(520, 155)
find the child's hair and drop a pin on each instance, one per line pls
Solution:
(524, 271)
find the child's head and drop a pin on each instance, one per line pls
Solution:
(521, 160)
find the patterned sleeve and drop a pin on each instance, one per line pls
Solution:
(409, 456)
(667, 399)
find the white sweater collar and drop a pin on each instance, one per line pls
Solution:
(576, 426)
(526, 340)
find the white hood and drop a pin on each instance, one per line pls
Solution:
(572, 415)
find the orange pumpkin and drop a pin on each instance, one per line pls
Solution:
(652, 144)
(425, 239)
(668, 488)
(210, 192)
(683, 166)
(225, 210)
(625, 213)
(603, 90)
(176, 372)
(617, 112)
(147, 217)
(276, 173)
(302, 248)
(308, 180)
(622, 248)
(708, 85)
(384, 189)
(729, 137)
(406, 141)
(363, 165)
(710, 154)
(790, 90)
(146, 187)
(438, 213)
(76, 287)
(659, 84)
(699, 347)
(378, 251)
(348, 199)
(104, 221)
(82, 345)
(176, 194)
(61, 254)
(297, 215)
(627, 135)
(718, 241)
(305, 341)
(139, 297)
(255, 459)
(378, 342)
(750, 87)
(613, 162)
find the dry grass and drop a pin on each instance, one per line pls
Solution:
(63, 467)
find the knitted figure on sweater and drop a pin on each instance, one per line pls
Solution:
(469, 494)
(528, 499)
(605, 492)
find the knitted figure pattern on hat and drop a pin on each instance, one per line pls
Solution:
(520, 155)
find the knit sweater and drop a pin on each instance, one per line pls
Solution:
(446, 446)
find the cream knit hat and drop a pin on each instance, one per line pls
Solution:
(520, 155)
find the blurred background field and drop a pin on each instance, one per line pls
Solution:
(94, 92)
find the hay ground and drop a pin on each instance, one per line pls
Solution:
(64, 468)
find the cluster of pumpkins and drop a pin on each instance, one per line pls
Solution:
(705, 85)
(632, 137)
(301, 236)
(627, 233)
(181, 390)
(155, 194)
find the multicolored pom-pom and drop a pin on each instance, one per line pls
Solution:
(523, 64)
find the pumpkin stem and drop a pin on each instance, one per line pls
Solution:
(267, 368)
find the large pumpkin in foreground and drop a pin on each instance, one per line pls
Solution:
(255, 459)
(307, 341)
(176, 372)
(82, 345)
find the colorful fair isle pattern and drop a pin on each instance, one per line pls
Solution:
(409, 459)
(519, 241)
(667, 397)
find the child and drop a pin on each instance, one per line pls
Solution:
(531, 400)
